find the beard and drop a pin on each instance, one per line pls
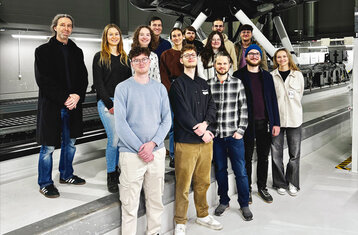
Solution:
(190, 66)
(222, 73)
(249, 62)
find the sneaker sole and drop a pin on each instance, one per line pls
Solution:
(64, 182)
(208, 225)
(281, 193)
(49, 196)
(292, 194)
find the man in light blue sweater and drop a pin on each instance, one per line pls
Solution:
(142, 120)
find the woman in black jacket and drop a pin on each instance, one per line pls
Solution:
(110, 67)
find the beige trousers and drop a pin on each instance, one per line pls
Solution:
(135, 173)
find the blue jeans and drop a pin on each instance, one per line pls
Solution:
(236, 151)
(68, 150)
(112, 153)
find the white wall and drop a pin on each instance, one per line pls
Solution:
(11, 86)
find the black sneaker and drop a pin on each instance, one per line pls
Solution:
(171, 162)
(265, 195)
(73, 180)
(246, 213)
(250, 198)
(50, 191)
(221, 209)
(112, 182)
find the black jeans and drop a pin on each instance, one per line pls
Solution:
(263, 143)
(280, 179)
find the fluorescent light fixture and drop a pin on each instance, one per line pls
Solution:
(87, 39)
(30, 36)
(47, 37)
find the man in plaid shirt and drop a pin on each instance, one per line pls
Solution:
(232, 118)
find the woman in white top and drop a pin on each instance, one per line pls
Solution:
(289, 86)
(205, 66)
(142, 37)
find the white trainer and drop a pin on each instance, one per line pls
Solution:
(281, 191)
(292, 190)
(209, 222)
(180, 229)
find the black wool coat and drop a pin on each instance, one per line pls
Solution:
(50, 74)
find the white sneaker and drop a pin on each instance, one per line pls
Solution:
(292, 190)
(209, 222)
(281, 191)
(180, 229)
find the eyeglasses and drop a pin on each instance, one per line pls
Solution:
(138, 61)
(187, 56)
(254, 54)
(218, 26)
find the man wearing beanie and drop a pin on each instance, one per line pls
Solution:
(245, 41)
(263, 116)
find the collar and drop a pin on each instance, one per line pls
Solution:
(216, 79)
(276, 72)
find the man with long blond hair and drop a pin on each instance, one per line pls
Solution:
(110, 67)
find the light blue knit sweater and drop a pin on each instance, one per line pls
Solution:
(141, 113)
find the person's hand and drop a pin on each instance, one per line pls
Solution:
(72, 100)
(200, 128)
(208, 136)
(275, 130)
(146, 151)
(111, 111)
(237, 136)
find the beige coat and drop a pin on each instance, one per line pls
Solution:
(289, 96)
(230, 47)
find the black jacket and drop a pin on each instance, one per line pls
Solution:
(269, 96)
(50, 74)
(191, 103)
(106, 79)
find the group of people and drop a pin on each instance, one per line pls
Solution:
(214, 98)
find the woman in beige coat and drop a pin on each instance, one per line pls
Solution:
(289, 86)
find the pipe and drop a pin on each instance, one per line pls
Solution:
(201, 19)
(265, 43)
(280, 28)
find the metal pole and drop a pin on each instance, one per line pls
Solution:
(199, 20)
(310, 19)
(283, 36)
(265, 43)
(355, 96)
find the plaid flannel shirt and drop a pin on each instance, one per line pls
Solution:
(230, 100)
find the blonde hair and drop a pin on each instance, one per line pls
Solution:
(291, 63)
(105, 58)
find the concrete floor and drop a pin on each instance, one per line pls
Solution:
(326, 204)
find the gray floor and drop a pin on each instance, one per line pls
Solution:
(327, 203)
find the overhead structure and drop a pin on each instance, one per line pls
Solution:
(285, 40)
